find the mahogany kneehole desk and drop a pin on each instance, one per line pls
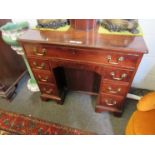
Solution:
(102, 65)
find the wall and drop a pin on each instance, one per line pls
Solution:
(145, 76)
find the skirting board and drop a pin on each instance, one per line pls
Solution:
(132, 96)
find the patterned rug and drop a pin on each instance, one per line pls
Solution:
(12, 124)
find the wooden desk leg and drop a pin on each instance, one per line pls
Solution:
(44, 98)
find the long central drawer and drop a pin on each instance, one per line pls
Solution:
(127, 60)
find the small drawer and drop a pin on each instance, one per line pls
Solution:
(111, 100)
(114, 88)
(119, 59)
(48, 89)
(35, 50)
(117, 74)
(44, 76)
(39, 64)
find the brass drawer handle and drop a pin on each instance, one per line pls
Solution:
(43, 79)
(42, 66)
(124, 75)
(48, 91)
(110, 102)
(114, 91)
(109, 58)
(42, 53)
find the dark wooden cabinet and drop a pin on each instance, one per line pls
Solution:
(102, 65)
(12, 67)
(83, 24)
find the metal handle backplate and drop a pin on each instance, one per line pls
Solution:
(109, 58)
(43, 79)
(124, 75)
(110, 102)
(114, 91)
(42, 53)
(42, 66)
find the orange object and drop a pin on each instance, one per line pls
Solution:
(142, 121)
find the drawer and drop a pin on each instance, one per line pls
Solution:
(35, 50)
(114, 88)
(107, 57)
(39, 64)
(111, 101)
(119, 59)
(44, 76)
(48, 89)
(118, 74)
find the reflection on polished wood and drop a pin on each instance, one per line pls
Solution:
(89, 39)
(102, 65)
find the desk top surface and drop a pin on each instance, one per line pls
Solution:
(86, 39)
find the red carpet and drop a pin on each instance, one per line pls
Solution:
(11, 123)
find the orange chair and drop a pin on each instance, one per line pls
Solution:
(142, 121)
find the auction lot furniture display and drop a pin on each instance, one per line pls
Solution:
(82, 59)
